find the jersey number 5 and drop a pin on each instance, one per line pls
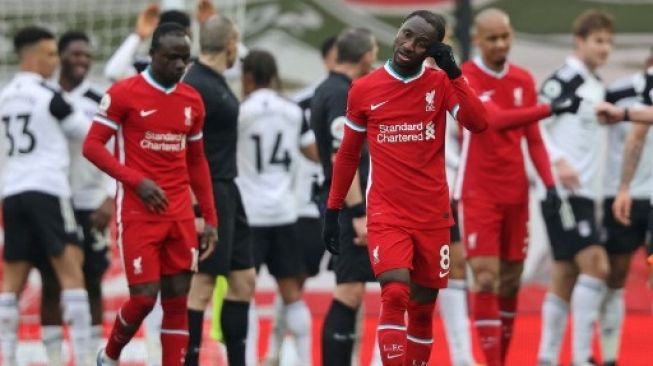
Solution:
(31, 140)
(276, 158)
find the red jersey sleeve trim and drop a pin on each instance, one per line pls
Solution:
(354, 126)
(105, 121)
(196, 137)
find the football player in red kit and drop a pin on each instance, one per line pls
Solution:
(157, 122)
(492, 186)
(400, 109)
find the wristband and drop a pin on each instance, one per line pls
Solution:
(357, 210)
(626, 114)
(197, 210)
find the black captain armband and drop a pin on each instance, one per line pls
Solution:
(357, 210)
(59, 107)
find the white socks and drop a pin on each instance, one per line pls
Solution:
(77, 314)
(454, 314)
(554, 322)
(8, 327)
(277, 333)
(52, 337)
(612, 318)
(251, 345)
(299, 322)
(585, 303)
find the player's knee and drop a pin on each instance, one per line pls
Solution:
(242, 285)
(486, 281)
(395, 296)
(142, 304)
(350, 294)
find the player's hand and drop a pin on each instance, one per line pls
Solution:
(205, 10)
(208, 241)
(609, 113)
(102, 215)
(568, 175)
(59, 107)
(152, 196)
(443, 56)
(551, 204)
(621, 206)
(147, 20)
(360, 228)
(331, 231)
(566, 104)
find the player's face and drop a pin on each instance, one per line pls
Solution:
(47, 58)
(76, 60)
(170, 59)
(595, 48)
(412, 41)
(494, 38)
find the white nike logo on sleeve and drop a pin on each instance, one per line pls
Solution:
(377, 105)
(147, 113)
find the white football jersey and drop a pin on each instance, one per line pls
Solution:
(269, 128)
(627, 92)
(90, 186)
(36, 142)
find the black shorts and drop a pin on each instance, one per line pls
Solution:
(234, 249)
(96, 245)
(310, 240)
(580, 231)
(353, 262)
(39, 224)
(455, 228)
(278, 248)
(620, 239)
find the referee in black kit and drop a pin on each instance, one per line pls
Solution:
(356, 53)
(233, 257)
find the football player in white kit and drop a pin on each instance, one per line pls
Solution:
(269, 145)
(36, 193)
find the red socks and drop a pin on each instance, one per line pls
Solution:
(128, 320)
(488, 326)
(507, 310)
(420, 333)
(174, 330)
(392, 325)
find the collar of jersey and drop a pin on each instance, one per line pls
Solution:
(81, 88)
(578, 65)
(30, 75)
(497, 74)
(147, 75)
(388, 68)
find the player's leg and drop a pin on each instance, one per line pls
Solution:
(482, 229)
(51, 321)
(174, 327)
(453, 306)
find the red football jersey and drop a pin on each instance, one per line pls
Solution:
(405, 123)
(492, 163)
(153, 125)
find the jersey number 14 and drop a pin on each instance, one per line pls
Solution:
(276, 158)
(26, 140)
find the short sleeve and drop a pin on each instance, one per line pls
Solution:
(336, 110)
(197, 114)
(562, 83)
(112, 108)
(356, 110)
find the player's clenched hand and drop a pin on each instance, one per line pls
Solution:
(208, 241)
(100, 218)
(609, 113)
(621, 206)
(360, 227)
(152, 196)
(147, 20)
(566, 104)
(331, 231)
(551, 204)
(205, 10)
(443, 56)
(568, 175)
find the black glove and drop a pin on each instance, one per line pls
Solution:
(331, 231)
(551, 204)
(443, 56)
(648, 86)
(566, 104)
(59, 107)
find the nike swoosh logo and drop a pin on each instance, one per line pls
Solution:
(486, 95)
(443, 274)
(147, 113)
(375, 106)
(390, 357)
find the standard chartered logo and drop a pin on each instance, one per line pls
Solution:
(406, 132)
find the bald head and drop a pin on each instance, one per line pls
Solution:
(216, 33)
(493, 36)
(491, 17)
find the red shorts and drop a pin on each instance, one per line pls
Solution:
(154, 249)
(424, 252)
(494, 229)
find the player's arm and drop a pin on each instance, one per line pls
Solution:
(200, 178)
(307, 145)
(73, 122)
(632, 152)
(120, 63)
(345, 168)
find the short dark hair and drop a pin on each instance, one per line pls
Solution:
(438, 21)
(353, 44)
(262, 66)
(327, 45)
(164, 29)
(592, 20)
(29, 36)
(69, 37)
(175, 16)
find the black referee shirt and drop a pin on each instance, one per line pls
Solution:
(328, 112)
(221, 121)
